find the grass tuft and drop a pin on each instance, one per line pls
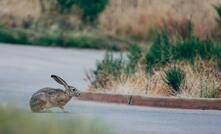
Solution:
(174, 77)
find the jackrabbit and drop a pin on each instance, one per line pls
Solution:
(46, 98)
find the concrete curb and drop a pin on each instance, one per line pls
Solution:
(102, 97)
(166, 102)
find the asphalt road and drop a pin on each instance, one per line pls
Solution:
(25, 69)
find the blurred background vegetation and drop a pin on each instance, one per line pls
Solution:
(103, 24)
(17, 121)
(64, 23)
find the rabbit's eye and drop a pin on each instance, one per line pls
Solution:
(73, 89)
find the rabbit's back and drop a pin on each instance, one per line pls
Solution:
(49, 91)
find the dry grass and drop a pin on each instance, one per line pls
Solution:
(137, 17)
(19, 9)
(202, 80)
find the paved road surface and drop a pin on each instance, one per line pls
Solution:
(24, 69)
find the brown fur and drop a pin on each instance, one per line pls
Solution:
(47, 98)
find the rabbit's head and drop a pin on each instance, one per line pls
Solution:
(70, 90)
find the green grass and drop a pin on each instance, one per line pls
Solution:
(16, 121)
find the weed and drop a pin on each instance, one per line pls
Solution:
(174, 77)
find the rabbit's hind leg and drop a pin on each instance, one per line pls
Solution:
(37, 106)
(62, 109)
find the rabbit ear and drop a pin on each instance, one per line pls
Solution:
(60, 81)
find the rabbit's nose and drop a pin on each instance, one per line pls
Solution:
(77, 94)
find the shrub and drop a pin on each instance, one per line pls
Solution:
(192, 47)
(160, 51)
(91, 9)
(174, 77)
(164, 50)
(134, 55)
(108, 67)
